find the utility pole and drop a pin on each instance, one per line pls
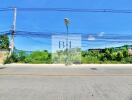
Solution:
(66, 21)
(13, 30)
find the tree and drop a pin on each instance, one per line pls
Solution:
(119, 56)
(125, 53)
(4, 42)
(108, 54)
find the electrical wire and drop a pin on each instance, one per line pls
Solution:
(70, 10)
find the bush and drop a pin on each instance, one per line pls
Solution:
(127, 60)
(119, 56)
(11, 59)
(104, 56)
(38, 57)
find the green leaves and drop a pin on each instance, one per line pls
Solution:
(35, 57)
(108, 55)
(4, 42)
(38, 57)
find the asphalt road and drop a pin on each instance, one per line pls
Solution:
(65, 83)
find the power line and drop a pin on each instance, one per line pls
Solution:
(70, 10)
(84, 37)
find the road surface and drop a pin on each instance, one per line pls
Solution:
(36, 82)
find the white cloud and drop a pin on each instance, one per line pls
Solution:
(91, 38)
(101, 34)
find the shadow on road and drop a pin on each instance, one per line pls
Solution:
(2, 67)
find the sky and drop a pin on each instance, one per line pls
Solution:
(95, 25)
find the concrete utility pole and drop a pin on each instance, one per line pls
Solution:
(13, 29)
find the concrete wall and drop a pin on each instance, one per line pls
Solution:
(3, 55)
(130, 52)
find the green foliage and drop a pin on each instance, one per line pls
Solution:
(38, 57)
(119, 56)
(13, 58)
(125, 53)
(127, 59)
(4, 42)
(73, 55)
(35, 57)
(108, 55)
